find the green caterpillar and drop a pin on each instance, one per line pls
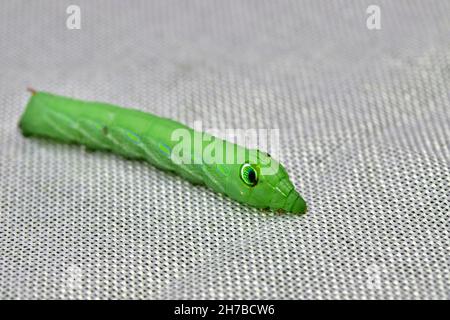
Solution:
(139, 135)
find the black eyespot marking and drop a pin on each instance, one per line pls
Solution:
(249, 175)
(252, 176)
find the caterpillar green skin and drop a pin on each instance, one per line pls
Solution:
(139, 135)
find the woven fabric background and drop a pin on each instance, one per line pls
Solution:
(364, 126)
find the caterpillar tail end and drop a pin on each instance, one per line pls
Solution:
(23, 128)
(31, 90)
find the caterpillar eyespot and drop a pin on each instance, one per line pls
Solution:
(139, 135)
(249, 174)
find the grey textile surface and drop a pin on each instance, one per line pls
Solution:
(364, 119)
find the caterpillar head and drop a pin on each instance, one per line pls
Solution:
(252, 182)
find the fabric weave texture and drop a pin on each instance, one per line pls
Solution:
(365, 135)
